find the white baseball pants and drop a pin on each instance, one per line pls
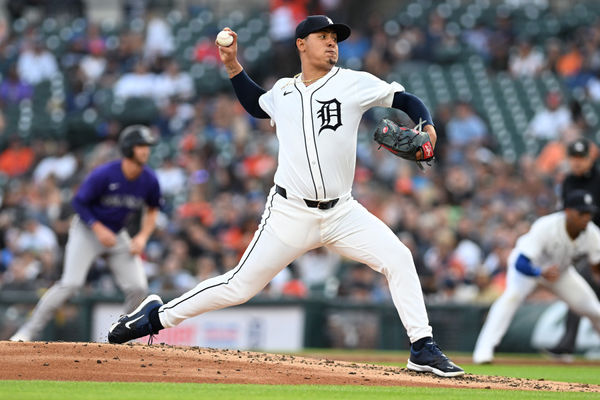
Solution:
(570, 287)
(288, 229)
(81, 250)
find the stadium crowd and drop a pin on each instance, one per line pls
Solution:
(215, 163)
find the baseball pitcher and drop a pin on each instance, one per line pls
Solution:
(316, 114)
(544, 256)
(103, 204)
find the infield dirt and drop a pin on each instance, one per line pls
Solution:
(164, 363)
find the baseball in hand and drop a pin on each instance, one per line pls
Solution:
(224, 39)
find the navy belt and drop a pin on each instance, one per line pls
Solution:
(321, 205)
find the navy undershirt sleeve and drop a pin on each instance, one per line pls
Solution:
(412, 106)
(525, 266)
(248, 92)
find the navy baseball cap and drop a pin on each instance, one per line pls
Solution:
(316, 23)
(581, 200)
(579, 148)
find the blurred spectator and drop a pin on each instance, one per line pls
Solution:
(206, 268)
(13, 89)
(549, 122)
(171, 177)
(285, 15)
(173, 83)
(353, 50)
(283, 18)
(317, 266)
(17, 159)
(138, 83)
(93, 64)
(294, 287)
(159, 39)
(464, 129)
(175, 277)
(570, 65)
(22, 273)
(553, 54)
(501, 41)
(478, 38)
(36, 237)
(358, 283)
(526, 61)
(459, 185)
(59, 163)
(440, 260)
(593, 88)
(36, 64)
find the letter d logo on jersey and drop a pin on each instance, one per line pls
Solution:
(330, 114)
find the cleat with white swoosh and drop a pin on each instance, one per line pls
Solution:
(135, 324)
(431, 359)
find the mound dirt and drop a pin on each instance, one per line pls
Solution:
(162, 363)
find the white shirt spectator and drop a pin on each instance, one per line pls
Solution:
(159, 39)
(37, 237)
(139, 83)
(62, 167)
(527, 62)
(470, 255)
(173, 82)
(593, 89)
(92, 67)
(318, 265)
(171, 178)
(547, 124)
(36, 66)
(282, 24)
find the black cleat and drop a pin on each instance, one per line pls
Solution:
(135, 324)
(560, 354)
(431, 359)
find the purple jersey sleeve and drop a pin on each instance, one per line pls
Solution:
(88, 192)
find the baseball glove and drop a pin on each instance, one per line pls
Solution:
(404, 142)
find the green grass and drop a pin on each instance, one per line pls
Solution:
(552, 372)
(51, 390)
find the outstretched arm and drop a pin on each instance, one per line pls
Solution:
(229, 56)
(246, 90)
(416, 110)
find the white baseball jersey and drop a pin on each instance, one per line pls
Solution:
(318, 162)
(547, 243)
(317, 130)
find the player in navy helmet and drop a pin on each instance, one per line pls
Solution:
(317, 113)
(104, 202)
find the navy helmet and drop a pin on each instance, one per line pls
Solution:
(135, 135)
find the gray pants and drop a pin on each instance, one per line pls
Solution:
(81, 250)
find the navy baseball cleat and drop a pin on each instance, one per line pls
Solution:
(135, 324)
(560, 354)
(431, 359)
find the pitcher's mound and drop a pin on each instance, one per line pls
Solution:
(163, 363)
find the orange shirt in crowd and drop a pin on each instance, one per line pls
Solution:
(15, 161)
